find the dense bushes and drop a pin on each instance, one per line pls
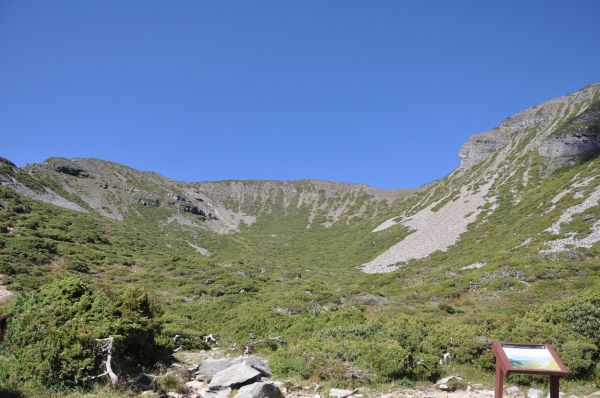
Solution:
(371, 352)
(359, 351)
(52, 337)
(572, 325)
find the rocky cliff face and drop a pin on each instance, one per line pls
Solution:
(561, 130)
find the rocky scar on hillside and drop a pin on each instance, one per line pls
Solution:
(559, 132)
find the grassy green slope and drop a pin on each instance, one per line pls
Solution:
(277, 277)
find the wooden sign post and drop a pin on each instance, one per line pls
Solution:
(532, 359)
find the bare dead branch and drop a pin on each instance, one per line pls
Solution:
(107, 348)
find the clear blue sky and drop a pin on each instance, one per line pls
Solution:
(378, 92)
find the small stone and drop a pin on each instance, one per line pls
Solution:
(534, 393)
(512, 390)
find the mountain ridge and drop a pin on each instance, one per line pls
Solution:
(551, 135)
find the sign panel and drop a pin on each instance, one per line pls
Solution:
(527, 358)
(534, 357)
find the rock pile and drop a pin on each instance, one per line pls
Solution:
(239, 377)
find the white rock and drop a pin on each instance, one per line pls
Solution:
(512, 390)
(534, 393)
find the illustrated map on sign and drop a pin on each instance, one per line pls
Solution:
(536, 357)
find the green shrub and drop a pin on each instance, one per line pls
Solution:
(30, 248)
(52, 337)
(464, 342)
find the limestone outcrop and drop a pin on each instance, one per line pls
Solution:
(560, 130)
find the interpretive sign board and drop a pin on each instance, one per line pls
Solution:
(526, 358)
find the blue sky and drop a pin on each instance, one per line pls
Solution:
(377, 92)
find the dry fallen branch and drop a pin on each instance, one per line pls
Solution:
(106, 349)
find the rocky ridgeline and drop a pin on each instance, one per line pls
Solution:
(113, 191)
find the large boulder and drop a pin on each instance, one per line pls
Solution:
(257, 363)
(235, 375)
(209, 367)
(264, 389)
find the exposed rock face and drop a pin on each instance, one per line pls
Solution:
(564, 150)
(563, 128)
(480, 147)
(577, 136)
(176, 197)
(149, 202)
(188, 208)
(74, 171)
